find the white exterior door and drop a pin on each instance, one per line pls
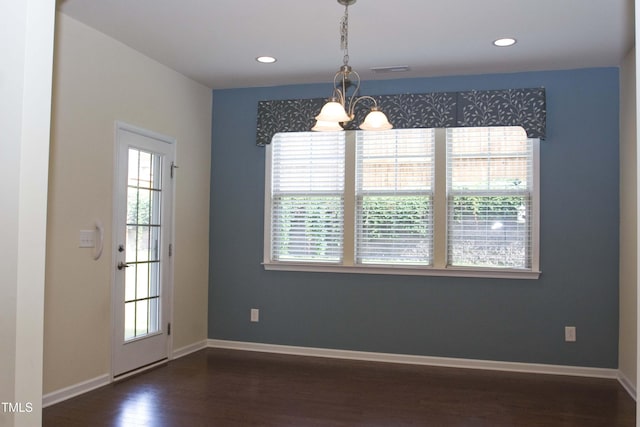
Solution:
(142, 248)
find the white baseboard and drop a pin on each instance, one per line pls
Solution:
(102, 380)
(532, 368)
(188, 349)
(449, 362)
(627, 384)
(75, 390)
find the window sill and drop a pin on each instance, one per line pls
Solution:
(405, 270)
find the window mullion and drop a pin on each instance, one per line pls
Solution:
(268, 213)
(535, 209)
(440, 200)
(349, 220)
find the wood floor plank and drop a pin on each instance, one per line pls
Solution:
(227, 388)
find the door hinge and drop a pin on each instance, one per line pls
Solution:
(168, 328)
(173, 166)
(170, 249)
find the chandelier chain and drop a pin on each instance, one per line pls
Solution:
(344, 34)
(340, 107)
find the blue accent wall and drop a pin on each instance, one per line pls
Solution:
(491, 319)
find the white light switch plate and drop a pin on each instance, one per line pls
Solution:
(87, 238)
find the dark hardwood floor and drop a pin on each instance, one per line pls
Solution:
(215, 387)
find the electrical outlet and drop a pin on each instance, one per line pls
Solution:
(255, 315)
(570, 333)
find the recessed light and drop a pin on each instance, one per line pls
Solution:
(266, 59)
(504, 42)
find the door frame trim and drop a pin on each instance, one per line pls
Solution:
(121, 125)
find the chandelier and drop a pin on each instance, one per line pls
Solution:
(340, 108)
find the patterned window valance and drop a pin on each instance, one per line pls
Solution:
(510, 107)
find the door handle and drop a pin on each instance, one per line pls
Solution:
(122, 265)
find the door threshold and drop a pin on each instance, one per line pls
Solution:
(141, 370)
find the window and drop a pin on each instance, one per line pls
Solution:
(307, 197)
(460, 201)
(394, 197)
(489, 197)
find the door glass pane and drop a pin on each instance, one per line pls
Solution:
(133, 167)
(131, 239)
(144, 169)
(129, 320)
(130, 283)
(154, 311)
(154, 202)
(154, 241)
(141, 317)
(142, 284)
(142, 245)
(154, 276)
(144, 205)
(143, 234)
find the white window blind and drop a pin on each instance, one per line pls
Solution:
(307, 202)
(452, 202)
(489, 199)
(394, 197)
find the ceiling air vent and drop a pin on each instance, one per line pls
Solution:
(392, 69)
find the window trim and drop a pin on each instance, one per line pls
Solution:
(439, 267)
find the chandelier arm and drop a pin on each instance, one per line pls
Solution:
(370, 98)
(345, 104)
(341, 97)
(337, 93)
(353, 100)
(335, 81)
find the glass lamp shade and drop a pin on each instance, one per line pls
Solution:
(376, 120)
(324, 126)
(333, 111)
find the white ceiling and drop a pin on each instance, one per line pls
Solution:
(215, 42)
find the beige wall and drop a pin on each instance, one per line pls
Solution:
(97, 81)
(628, 222)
